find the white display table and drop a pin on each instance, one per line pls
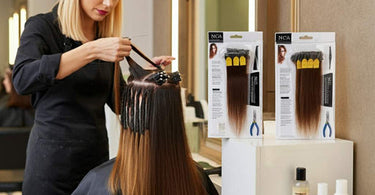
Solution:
(267, 166)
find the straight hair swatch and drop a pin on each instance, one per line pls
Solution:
(308, 90)
(237, 61)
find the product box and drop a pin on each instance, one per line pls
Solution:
(235, 84)
(305, 88)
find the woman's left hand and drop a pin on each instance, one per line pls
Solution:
(162, 61)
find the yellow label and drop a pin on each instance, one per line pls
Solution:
(304, 63)
(299, 64)
(310, 63)
(316, 63)
(236, 61)
(229, 61)
(242, 61)
(300, 191)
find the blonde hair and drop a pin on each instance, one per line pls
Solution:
(70, 19)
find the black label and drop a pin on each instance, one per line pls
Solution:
(284, 38)
(327, 89)
(215, 37)
(254, 89)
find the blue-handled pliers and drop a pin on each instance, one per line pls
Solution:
(327, 125)
(254, 123)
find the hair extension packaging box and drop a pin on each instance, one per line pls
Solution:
(235, 84)
(305, 88)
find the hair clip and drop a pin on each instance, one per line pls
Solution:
(159, 77)
(174, 78)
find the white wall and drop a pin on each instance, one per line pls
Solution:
(39, 6)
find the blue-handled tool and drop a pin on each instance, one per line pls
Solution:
(254, 124)
(327, 125)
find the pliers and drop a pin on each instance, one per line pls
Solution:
(254, 124)
(327, 125)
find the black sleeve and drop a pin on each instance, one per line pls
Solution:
(207, 183)
(111, 97)
(35, 67)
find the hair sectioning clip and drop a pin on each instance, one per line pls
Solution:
(161, 77)
(174, 78)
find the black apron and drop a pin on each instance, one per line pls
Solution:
(69, 135)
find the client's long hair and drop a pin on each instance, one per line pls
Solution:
(153, 155)
(308, 90)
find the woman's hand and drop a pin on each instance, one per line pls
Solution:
(112, 49)
(162, 61)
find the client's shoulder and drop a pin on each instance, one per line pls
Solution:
(95, 182)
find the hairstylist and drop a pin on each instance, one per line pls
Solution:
(66, 61)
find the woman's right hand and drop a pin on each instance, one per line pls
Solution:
(112, 49)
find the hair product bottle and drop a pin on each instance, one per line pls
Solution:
(322, 189)
(341, 187)
(301, 186)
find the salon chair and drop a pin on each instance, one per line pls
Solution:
(13, 142)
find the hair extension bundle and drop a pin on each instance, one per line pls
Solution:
(308, 90)
(237, 87)
(153, 156)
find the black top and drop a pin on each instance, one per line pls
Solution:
(95, 182)
(80, 96)
(69, 135)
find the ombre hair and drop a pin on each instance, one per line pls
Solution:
(70, 20)
(308, 91)
(153, 156)
(237, 62)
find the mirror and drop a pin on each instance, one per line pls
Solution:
(196, 19)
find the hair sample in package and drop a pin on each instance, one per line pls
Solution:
(308, 90)
(237, 87)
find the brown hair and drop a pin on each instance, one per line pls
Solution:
(237, 87)
(153, 155)
(16, 100)
(280, 58)
(308, 91)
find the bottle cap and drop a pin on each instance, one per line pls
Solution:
(322, 189)
(341, 187)
(301, 174)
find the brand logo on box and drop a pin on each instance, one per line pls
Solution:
(215, 37)
(284, 38)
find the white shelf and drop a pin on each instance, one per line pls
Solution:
(267, 166)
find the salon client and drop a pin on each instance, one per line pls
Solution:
(66, 61)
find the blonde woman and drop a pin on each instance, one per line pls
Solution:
(66, 61)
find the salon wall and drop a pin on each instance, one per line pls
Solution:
(39, 6)
(354, 24)
(272, 16)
